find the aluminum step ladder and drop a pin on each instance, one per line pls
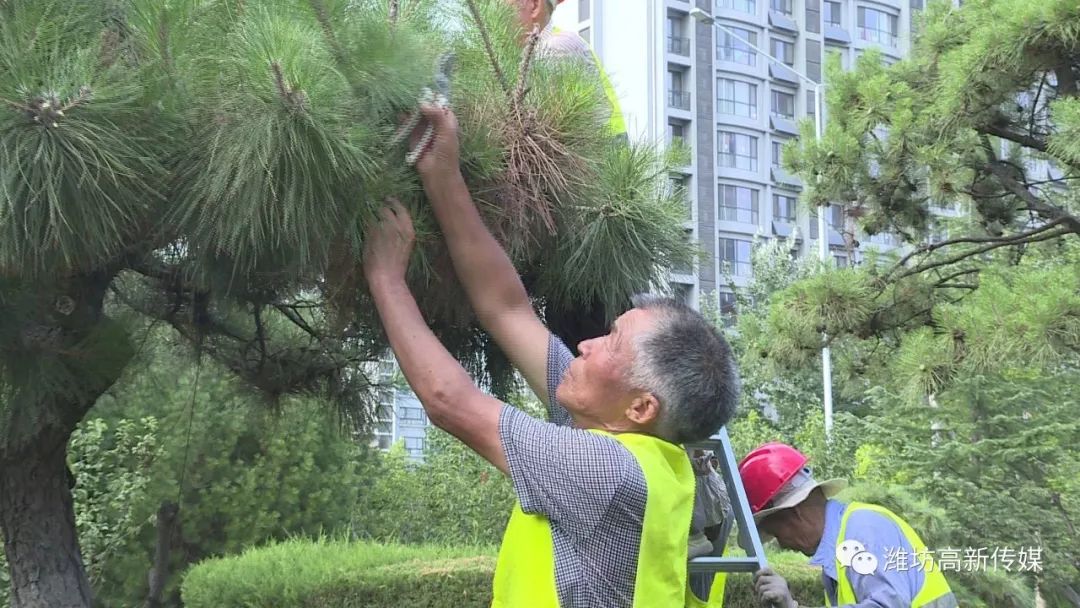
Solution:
(703, 569)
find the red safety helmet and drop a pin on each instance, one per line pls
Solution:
(766, 469)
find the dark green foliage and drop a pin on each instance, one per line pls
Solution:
(242, 475)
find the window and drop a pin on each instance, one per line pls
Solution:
(877, 26)
(677, 42)
(736, 254)
(727, 307)
(810, 108)
(680, 189)
(833, 15)
(728, 48)
(784, 51)
(583, 7)
(586, 35)
(677, 96)
(813, 60)
(745, 6)
(783, 208)
(783, 6)
(783, 104)
(841, 259)
(738, 204)
(738, 151)
(813, 16)
(777, 151)
(681, 292)
(412, 413)
(682, 267)
(414, 444)
(736, 98)
(676, 134)
(385, 441)
(835, 217)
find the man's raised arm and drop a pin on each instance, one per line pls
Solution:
(494, 288)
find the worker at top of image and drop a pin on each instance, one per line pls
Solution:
(556, 43)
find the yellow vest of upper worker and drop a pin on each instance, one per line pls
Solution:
(525, 571)
(935, 592)
(616, 124)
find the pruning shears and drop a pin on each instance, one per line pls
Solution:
(439, 97)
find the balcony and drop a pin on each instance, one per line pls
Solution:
(678, 45)
(679, 100)
(881, 37)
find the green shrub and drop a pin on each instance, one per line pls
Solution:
(338, 574)
(301, 573)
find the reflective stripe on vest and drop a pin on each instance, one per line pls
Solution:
(616, 123)
(935, 592)
(525, 571)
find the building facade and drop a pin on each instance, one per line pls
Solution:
(399, 415)
(679, 79)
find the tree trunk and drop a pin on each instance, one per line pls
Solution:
(63, 327)
(159, 572)
(38, 521)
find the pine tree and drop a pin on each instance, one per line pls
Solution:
(960, 352)
(210, 165)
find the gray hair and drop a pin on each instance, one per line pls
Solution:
(686, 363)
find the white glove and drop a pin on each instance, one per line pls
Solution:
(772, 590)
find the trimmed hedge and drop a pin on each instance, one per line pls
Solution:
(338, 574)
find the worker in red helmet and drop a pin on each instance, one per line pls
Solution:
(857, 545)
(560, 44)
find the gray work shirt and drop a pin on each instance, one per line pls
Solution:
(591, 489)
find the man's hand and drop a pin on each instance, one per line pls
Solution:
(389, 243)
(442, 158)
(772, 590)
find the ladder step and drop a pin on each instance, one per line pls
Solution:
(723, 564)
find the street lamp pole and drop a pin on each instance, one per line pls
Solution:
(823, 235)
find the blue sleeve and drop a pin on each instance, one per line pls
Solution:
(893, 584)
(558, 361)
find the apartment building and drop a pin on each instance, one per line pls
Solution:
(681, 79)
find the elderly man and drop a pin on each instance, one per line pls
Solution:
(605, 491)
(851, 542)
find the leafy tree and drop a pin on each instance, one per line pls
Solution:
(211, 166)
(981, 119)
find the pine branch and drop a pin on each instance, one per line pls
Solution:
(1024, 139)
(526, 65)
(1044, 233)
(292, 98)
(968, 239)
(955, 275)
(488, 47)
(340, 56)
(290, 313)
(260, 334)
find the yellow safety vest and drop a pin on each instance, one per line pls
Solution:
(935, 592)
(716, 592)
(616, 123)
(525, 570)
